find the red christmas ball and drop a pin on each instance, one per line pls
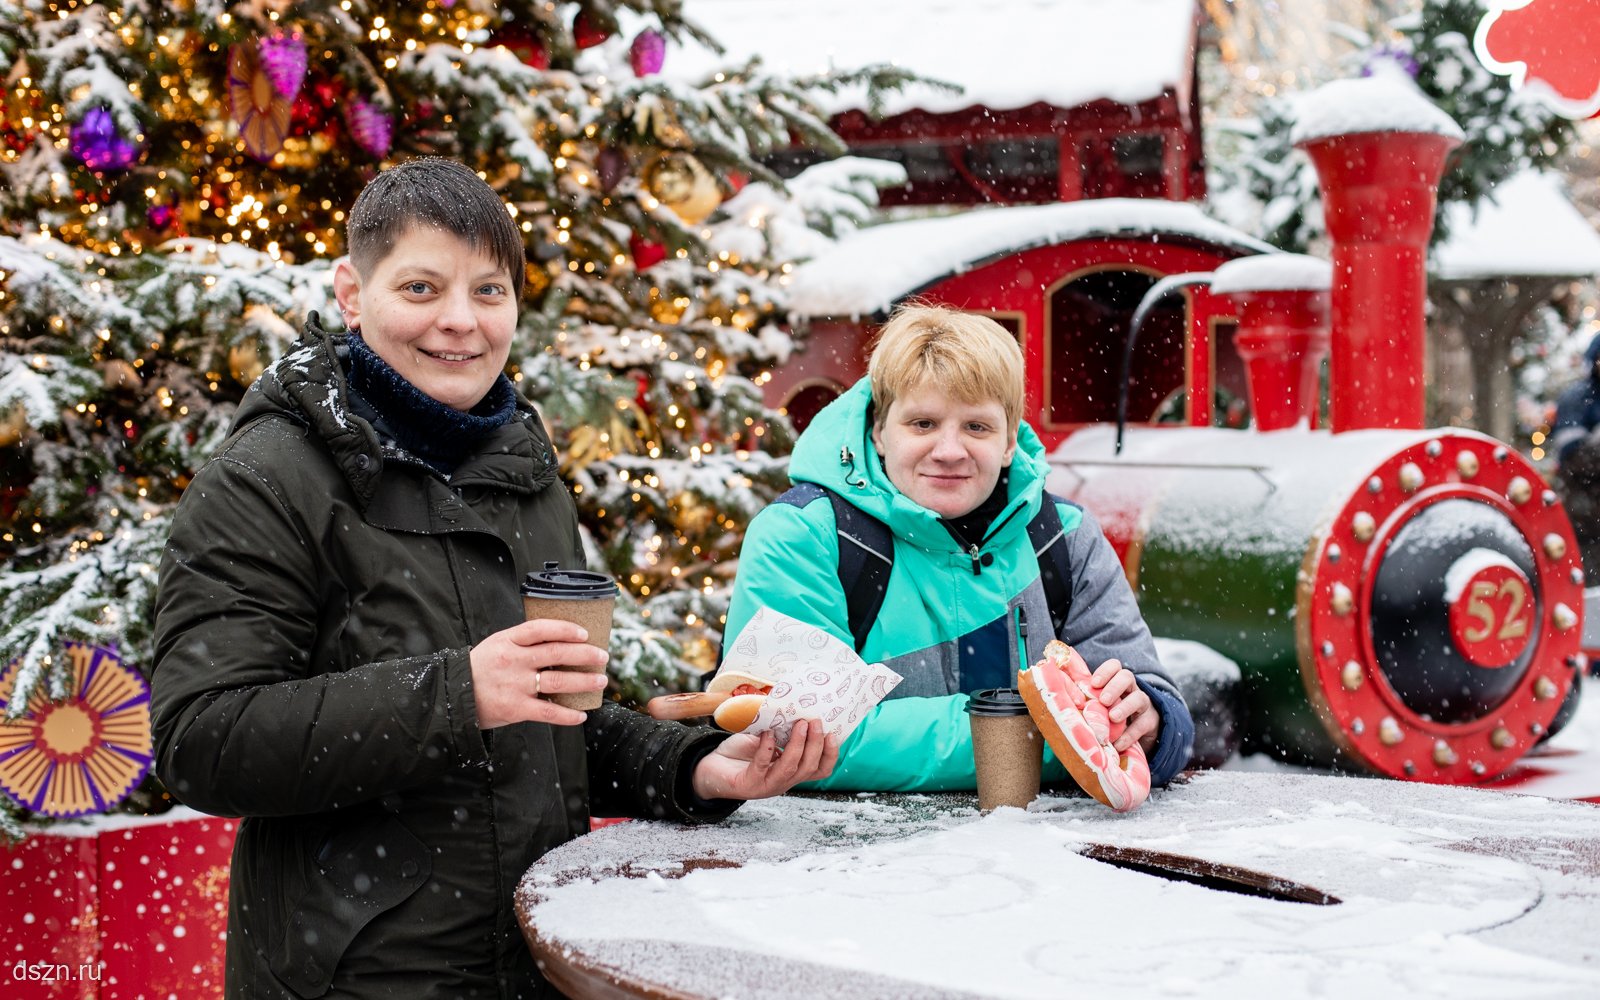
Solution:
(645, 253)
(586, 32)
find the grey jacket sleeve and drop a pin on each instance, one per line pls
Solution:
(1105, 624)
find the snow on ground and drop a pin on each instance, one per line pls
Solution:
(1444, 892)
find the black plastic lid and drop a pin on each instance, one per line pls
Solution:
(568, 584)
(997, 701)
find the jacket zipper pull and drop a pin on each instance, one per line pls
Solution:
(1022, 638)
(977, 568)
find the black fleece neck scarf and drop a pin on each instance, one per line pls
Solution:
(440, 435)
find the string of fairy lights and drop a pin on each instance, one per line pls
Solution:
(181, 169)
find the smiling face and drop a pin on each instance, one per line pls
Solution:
(437, 311)
(943, 453)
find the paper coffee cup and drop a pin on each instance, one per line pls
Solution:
(577, 596)
(1006, 747)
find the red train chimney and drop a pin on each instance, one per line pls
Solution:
(1282, 299)
(1379, 148)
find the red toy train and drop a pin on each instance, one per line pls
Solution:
(1402, 600)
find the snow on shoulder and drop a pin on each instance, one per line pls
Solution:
(1385, 102)
(870, 270)
(1273, 272)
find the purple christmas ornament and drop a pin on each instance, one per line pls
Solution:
(371, 127)
(647, 53)
(96, 142)
(283, 59)
(1391, 55)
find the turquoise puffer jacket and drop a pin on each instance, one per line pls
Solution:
(952, 621)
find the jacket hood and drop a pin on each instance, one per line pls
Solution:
(308, 384)
(836, 451)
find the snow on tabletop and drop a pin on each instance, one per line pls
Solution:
(1527, 226)
(872, 269)
(1446, 892)
(1002, 53)
(1273, 272)
(1381, 103)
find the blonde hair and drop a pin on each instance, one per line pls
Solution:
(968, 356)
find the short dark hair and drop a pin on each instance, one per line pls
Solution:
(443, 194)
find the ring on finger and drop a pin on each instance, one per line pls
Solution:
(538, 678)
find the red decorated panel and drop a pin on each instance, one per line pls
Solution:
(164, 909)
(49, 922)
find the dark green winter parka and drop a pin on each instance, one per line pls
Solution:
(318, 600)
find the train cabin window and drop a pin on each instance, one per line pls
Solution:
(1130, 165)
(1086, 332)
(1015, 170)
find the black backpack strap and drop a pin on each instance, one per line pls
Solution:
(1049, 540)
(866, 556)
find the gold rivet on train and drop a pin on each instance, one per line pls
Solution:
(1389, 732)
(1434, 449)
(1563, 617)
(1357, 727)
(1351, 676)
(1544, 689)
(1363, 526)
(1519, 491)
(1466, 464)
(1411, 477)
(1501, 739)
(1554, 545)
(1442, 754)
(1342, 601)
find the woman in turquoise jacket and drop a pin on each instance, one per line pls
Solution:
(931, 443)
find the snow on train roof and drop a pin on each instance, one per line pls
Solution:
(1530, 229)
(870, 270)
(1003, 53)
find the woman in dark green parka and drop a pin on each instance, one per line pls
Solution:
(340, 652)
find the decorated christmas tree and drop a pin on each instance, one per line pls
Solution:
(176, 175)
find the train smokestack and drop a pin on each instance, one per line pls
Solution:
(1379, 148)
(1282, 300)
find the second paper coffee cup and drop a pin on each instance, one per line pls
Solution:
(577, 596)
(1006, 747)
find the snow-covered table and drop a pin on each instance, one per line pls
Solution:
(1440, 891)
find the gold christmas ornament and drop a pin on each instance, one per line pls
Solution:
(246, 361)
(12, 426)
(683, 184)
(120, 376)
(261, 113)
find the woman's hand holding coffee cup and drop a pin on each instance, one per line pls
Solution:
(514, 670)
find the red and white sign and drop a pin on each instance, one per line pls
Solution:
(1491, 620)
(1551, 48)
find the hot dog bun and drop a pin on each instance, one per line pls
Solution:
(737, 713)
(726, 681)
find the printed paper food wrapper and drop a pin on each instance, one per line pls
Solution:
(813, 675)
